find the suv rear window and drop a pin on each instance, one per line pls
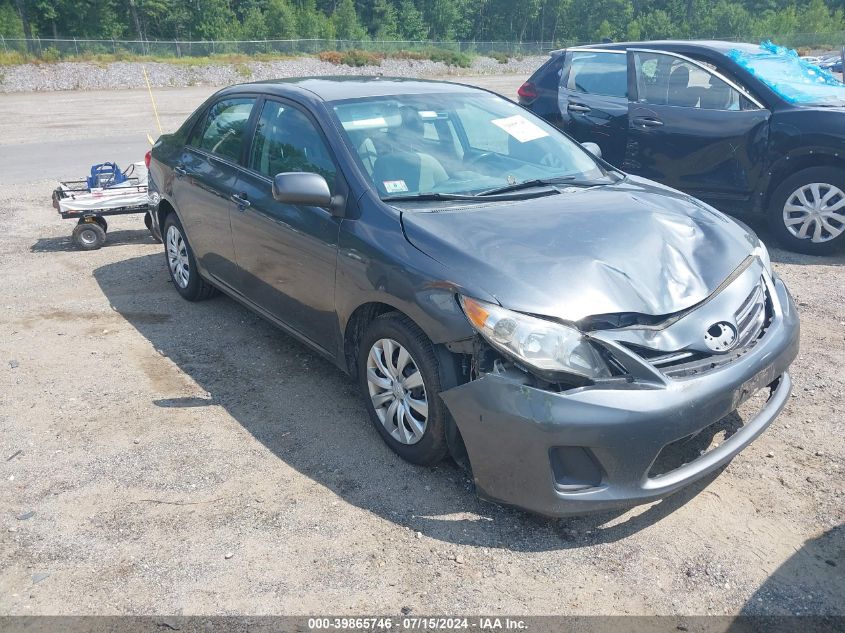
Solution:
(598, 73)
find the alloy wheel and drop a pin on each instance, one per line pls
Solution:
(815, 211)
(177, 257)
(397, 391)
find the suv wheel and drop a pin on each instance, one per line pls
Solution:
(181, 263)
(807, 211)
(399, 376)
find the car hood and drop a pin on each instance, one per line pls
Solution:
(633, 247)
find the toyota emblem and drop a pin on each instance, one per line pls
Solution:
(720, 337)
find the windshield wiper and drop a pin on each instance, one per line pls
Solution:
(547, 182)
(483, 197)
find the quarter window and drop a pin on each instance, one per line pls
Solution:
(669, 80)
(598, 73)
(286, 141)
(222, 132)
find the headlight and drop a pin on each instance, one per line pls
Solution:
(543, 345)
(761, 252)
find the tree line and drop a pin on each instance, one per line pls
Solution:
(566, 21)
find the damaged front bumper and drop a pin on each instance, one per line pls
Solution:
(592, 448)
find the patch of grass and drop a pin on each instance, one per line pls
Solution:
(502, 58)
(451, 58)
(243, 70)
(356, 58)
(13, 58)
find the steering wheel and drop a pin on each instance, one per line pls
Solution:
(480, 157)
(550, 159)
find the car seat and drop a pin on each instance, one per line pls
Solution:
(680, 93)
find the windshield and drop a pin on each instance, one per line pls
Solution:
(456, 143)
(795, 79)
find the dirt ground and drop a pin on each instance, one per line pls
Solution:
(163, 457)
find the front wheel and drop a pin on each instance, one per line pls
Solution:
(807, 211)
(399, 376)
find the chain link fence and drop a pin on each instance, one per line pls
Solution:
(56, 49)
(67, 48)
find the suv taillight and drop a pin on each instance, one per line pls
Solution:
(527, 92)
(147, 158)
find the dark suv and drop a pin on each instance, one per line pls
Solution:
(747, 128)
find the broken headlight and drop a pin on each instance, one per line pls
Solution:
(762, 253)
(545, 346)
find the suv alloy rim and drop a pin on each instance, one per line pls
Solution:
(397, 391)
(177, 257)
(815, 211)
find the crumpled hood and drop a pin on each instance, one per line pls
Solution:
(631, 247)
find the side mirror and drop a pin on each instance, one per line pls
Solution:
(303, 188)
(593, 148)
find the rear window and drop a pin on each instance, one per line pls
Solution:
(598, 73)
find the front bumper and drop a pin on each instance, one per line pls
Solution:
(516, 435)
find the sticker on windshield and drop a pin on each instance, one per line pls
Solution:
(365, 123)
(395, 186)
(520, 128)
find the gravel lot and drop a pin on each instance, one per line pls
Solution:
(161, 457)
(96, 76)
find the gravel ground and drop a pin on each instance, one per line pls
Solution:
(118, 75)
(162, 457)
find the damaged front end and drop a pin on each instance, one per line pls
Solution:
(564, 424)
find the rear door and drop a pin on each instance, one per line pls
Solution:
(593, 100)
(694, 129)
(287, 253)
(206, 175)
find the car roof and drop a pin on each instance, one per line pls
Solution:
(353, 87)
(719, 46)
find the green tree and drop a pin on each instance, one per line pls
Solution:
(217, 21)
(10, 21)
(412, 26)
(254, 26)
(346, 23)
(385, 21)
(281, 20)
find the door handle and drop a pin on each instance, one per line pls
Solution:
(646, 121)
(577, 107)
(240, 200)
(180, 171)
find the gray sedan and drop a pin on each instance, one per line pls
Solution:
(499, 293)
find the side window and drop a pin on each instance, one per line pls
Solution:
(669, 80)
(286, 140)
(222, 131)
(598, 73)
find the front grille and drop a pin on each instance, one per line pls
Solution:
(752, 318)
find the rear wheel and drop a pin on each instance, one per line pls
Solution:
(89, 236)
(399, 376)
(181, 263)
(807, 211)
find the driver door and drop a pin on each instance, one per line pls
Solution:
(287, 253)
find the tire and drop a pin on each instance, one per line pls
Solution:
(88, 236)
(825, 234)
(181, 264)
(102, 222)
(427, 446)
(148, 222)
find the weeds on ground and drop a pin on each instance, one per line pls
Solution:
(356, 58)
